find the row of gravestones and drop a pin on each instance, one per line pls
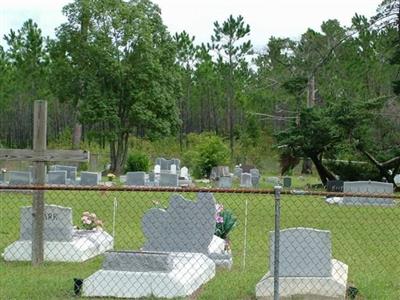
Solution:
(362, 187)
(224, 178)
(160, 179)
(58, 174)
(175, 262)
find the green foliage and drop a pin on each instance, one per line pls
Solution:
(137, 161)
(209, 151)
(225, 222)
(349, 171)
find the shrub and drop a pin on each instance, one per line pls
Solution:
(210, 151)
(137, 161)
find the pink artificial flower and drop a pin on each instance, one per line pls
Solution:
(86, 220)
(99, 223)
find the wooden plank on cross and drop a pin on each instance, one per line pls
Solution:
(39, 156)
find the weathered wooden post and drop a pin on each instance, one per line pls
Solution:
(39, 156)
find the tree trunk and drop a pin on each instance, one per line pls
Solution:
(76, 136)
(118, 153)
(307, 166)
(324, 173)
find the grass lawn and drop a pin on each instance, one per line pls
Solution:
(365, 238)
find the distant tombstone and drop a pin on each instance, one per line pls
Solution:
(163, 228)
(71, 171)
(62, 241)
(274, 180)
(173, 169)
(396, 179)
(57, 223)
(19, 178)
(165, 164)
(237, 172)
(306, 267)
(57, 177)
(287, 182)
(157, 169)
(219, 171)
(152, 177)
(335, 186)
(170, 180)
(184, 173)
(368, 187)
(255, 177)
(90, 178)
(2, 177)
(225, 182)
(245, 180)
(136, 178)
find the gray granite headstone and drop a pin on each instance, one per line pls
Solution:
(90, 178)
(137, 261)
(368, 187)
(185, 226)
(225, 182)
(71, 171)
(57, 223)
(237, 172)
(335, 186)
(304, 252)
(135, 178)
(167, 179)
(217, 172)
(19, 178)
(245, 180)
(57, 177)
(152, 177)
(255, 177)
(2, 176)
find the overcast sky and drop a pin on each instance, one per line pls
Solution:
(281, 18)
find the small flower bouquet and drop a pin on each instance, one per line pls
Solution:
(110, 176)
(90, 221)
(225, 222)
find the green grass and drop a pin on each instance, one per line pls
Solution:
(365, 238)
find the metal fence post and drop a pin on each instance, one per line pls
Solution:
(277, 190)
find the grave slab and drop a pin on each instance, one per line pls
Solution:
(62, 242)
(189, 271)
(372, 187)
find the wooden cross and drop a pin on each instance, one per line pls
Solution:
(39, 156)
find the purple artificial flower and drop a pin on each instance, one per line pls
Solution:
(219, 219)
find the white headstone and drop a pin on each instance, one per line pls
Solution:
(397, 179)
(184, 173)
(157, 169)
(173, 169)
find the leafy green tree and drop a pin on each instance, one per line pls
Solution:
(126, 79)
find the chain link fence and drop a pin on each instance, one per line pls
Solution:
(191, 243)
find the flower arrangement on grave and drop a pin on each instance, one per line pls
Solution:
(225, 221)
(90, 221)
(110, 176)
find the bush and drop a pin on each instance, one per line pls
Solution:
(349, 171)
(209, 151)
(137, 161)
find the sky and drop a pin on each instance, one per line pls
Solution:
(279, 18)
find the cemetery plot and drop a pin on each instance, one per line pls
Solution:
(61, 241)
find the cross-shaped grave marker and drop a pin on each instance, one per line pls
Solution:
(39, 156)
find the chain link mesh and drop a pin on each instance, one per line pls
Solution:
(149, 244)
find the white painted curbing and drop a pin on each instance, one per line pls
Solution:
(81, 248)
